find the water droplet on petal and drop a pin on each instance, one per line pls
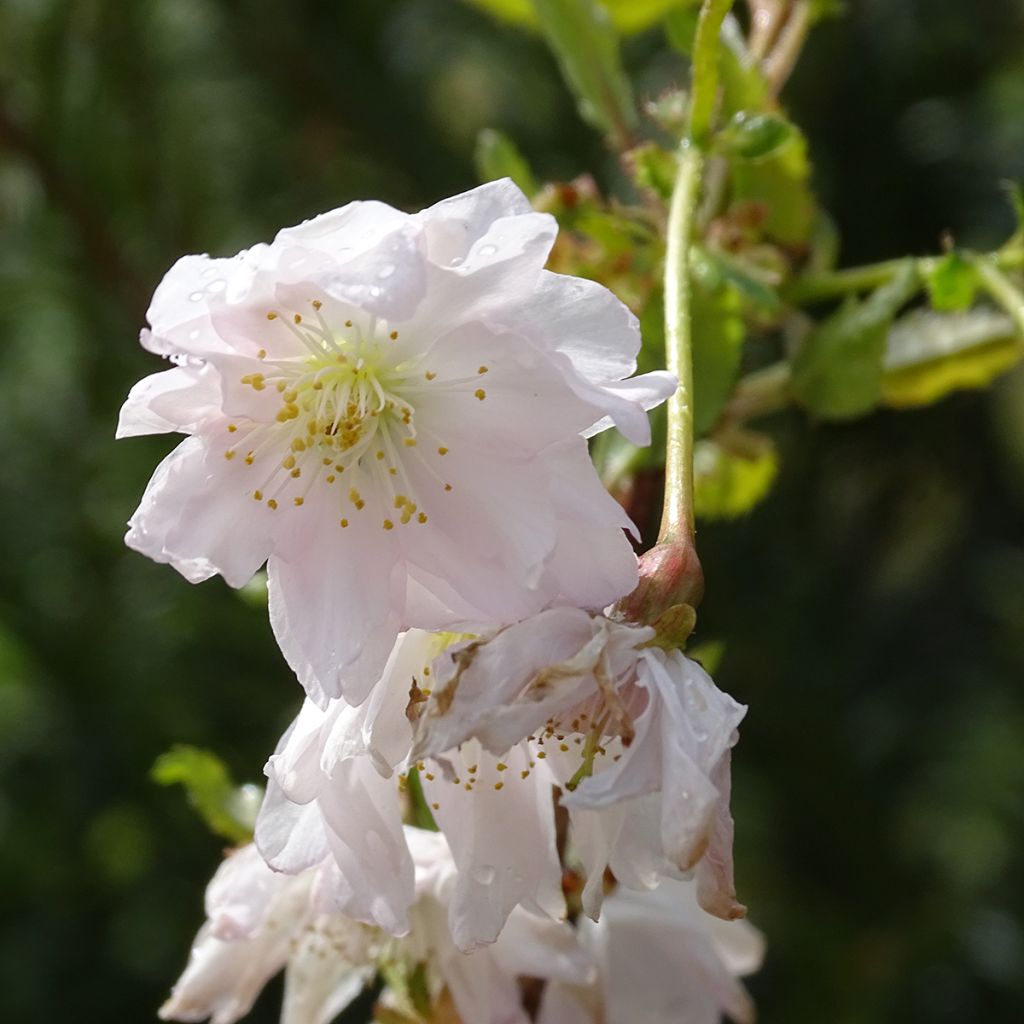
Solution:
(216, 286)
(484, 874)
(456, 262)
(386, 271)
(488, 250)
(375, 292)
(196, 296)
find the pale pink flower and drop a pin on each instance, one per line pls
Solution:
(335, 786)
(660, 958)
(637, 737)
(260, 921)
(509, 717)
(389, 409)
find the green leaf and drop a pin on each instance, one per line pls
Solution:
(718, 333)
(753, 136)
(227, 809)
(654, 168)
(931, 354)
(837, 372)
(713, 267)
(728, 484)
(709, 654)
(628, 16)
(781, 184)
(952, 283)
(497, 156)
(583, 40)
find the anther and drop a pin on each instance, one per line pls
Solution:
(317, 304)
(272, 503)
(480, 394)
(232, 428)
(388, 525)
(442, 450)
(343, 522)
(229, 454)
(393, 335)
(430, 375)
(257, 495)
(481, 370)
(299, 501)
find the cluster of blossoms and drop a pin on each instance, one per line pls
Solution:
(391, 412)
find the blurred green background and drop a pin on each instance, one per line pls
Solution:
(872, 610)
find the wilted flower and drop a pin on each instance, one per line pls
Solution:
(260, 921)
(660, 958)
(335, 788)
(637, 739)
(390, 408)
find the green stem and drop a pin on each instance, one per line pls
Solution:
(1001, 288)
(704, 84)
(812, 288)
(677, 515)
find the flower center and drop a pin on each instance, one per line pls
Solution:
(343, 405)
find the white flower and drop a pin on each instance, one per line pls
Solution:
(538, 704)
(335, 787)
(660, 958)
(260, 921)
(638, 738)
(390, 408)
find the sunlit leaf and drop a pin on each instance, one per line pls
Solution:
(781, 184)
(718, 333)
(754, 136)
(837, 372)
(227, 809)
(497, 156)
(628, 16)
(952, 283)
(584, 41)
(931, 354)
(728, 484)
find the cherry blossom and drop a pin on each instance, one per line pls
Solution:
(390, 410)
(660, 958)
(259, 921)
(637, 739)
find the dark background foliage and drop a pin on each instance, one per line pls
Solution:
(872, 610)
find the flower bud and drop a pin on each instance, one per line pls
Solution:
(670, 574)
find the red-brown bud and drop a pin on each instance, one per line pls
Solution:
(670, 574)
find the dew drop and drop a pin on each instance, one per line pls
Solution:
(456, 262)
(386, 271)
(196, 296)
(484, 874)
(488, 250)
(216, 286)
(375, 292)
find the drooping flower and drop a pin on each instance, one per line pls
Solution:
(391, 409)
(260, 921)
(637, 740)
(335, 788)
(659, 958)
(637, 737)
